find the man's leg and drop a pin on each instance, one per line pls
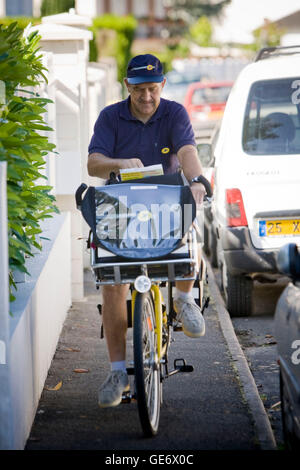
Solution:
(114, 312)
(188, 312)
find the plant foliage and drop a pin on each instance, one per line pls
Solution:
(22, 143)
(124, 28)
(53, 7)
(191, 10)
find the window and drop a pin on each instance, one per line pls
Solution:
(18, 7)
(272, 119)
(210, 95)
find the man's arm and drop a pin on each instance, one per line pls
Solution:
(101, 166)
(191, 166)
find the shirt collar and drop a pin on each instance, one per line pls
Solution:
(126, 114)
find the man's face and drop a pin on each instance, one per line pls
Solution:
(145, 97)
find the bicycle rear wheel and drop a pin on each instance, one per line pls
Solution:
(146, 364)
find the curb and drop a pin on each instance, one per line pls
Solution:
(262, 424)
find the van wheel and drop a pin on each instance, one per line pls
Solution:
(213, 248)
(206, 240)
(290, 438)
(238, 293)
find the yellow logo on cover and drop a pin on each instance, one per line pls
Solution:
(145, 215)
(165, 150)
(150, 67)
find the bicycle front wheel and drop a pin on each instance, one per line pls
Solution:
(146, 364)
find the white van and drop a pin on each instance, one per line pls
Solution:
(256, 207)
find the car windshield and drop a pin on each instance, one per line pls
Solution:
(176, 78)
(210, 95)
(272, 119)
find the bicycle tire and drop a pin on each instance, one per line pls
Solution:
(146, 367)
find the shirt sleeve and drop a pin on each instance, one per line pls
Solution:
(103, 139)
(181, 129)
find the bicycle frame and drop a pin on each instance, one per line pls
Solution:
(160, 316)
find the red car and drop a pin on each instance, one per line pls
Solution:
(205, 103)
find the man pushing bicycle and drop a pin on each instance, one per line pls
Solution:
(143, 130)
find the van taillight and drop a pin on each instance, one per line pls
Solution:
(212, 180)
(236, 216)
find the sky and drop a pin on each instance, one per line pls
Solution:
(242, 16)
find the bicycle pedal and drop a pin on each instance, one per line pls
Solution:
(186, 368)
(181, 366)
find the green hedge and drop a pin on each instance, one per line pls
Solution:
(124, 28)
(22, 21)
(22, 144)
(53, 7)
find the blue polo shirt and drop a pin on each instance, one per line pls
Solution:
(118, 134)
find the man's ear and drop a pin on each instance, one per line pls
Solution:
(126, 83)
(163, 82)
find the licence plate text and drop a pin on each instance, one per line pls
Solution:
(270, 228)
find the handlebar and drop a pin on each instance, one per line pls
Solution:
(78, 195)
(208, 189)
(113, 179)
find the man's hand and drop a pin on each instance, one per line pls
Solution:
(129, 163)
(198, 191)
(101, 166)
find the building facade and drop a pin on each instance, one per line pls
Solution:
(151, 14)
(20, 7)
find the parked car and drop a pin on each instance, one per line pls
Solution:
(287, 333)
(205, 103)
(257, 174)
(177, 84)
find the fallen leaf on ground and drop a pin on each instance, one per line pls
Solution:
(276, 404)
(81, 371)
(57, 387)
(72, 349)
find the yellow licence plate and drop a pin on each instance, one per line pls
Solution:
(284, 227)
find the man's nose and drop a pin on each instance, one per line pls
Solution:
(146, 94)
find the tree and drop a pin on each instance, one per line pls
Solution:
(53, 7)
(191, 10)
(201, 32)
(269, 34)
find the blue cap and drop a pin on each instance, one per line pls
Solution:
(144, 68)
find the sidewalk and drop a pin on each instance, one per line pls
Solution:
(217, 407)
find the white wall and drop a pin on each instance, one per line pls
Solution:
(6, 435)
(37, 319)
(2, 8)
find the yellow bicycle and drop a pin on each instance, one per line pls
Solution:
(150, 265)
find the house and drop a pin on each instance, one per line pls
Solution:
(290, 24)
(290, 27)
(151, 14)
(20, 7)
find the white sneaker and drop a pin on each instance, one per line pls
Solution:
(190, 316)
(110, 392)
